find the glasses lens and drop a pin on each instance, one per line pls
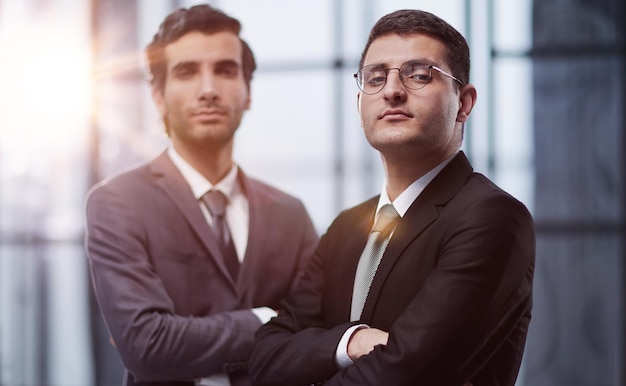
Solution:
(415, 75)
(371, 79)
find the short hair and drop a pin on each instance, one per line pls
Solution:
(202, 18)
(411, 21)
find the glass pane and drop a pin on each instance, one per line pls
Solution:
(285, 30)
(512, 25)
(514, 127)
(577, 310)
(287, 136)
(452, 11)
(360, 16)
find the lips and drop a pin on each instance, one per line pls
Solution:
(395, 114)
(209, 114)
(209, 111)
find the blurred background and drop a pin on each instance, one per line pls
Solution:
(549, 128)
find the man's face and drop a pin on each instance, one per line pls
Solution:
(205, 94)
(398, 120)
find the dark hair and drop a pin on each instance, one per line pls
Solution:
(202, 18)
(410, 21)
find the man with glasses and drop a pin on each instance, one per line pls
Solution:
(429, 283)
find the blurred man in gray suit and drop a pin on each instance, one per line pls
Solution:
(188, 255)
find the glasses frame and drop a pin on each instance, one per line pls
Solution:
(429, 66)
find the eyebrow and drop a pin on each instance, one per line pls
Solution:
(228, 62)
(185, 64)
(218, 64)
(423, 60)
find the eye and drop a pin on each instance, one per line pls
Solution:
(184, 71)
(375, 81)
(416, 72)
(420, 78)
(374, 77)
(228, 70)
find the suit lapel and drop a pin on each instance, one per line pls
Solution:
(175, 186)
(409, 227)
(421, 214)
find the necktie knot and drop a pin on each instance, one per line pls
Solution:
(216, 202)
(386, 219)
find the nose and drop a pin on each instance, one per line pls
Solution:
(208, 88)
(394, 89)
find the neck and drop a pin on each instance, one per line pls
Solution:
(401, 172)
(214, 164)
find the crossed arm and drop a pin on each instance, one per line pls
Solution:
(476, 295)
(364, 340)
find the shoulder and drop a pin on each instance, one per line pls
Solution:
(262, 193)
(355, 218)
(138, 175)
(490, 191)
(126, 183)
(460, 187)
(489, 203)
(284, 211)
(365, 208)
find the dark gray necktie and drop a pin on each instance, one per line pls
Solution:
(215, 202)
(386, 222)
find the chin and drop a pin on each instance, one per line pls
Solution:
(391, 138)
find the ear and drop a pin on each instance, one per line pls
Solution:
(467, 100)
(358, 107)
(159, 100)
(248, 102)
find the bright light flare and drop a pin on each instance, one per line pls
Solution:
(45, 88)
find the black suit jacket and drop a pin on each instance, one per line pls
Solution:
(453, 290)
(171, 307)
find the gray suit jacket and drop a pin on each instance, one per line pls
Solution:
(170, 305)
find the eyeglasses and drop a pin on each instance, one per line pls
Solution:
(414, 75)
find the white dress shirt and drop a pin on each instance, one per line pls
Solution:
(237, 211)
(237, 219)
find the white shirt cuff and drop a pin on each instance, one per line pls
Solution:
(341, 355)
(264, 314)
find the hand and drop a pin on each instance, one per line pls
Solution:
(363, 341)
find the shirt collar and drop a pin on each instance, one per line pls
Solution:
(228, 185)
(410, 194)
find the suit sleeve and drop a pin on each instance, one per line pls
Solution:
(308, 242)
(469, 306)
(155, 343)
(295, 348)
